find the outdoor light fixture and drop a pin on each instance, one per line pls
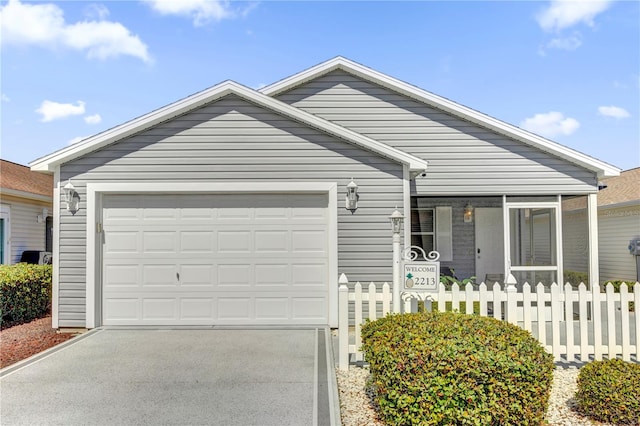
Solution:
(468, 213)
(41, 217)
(396, 219)
(71, 197)
(351, 200)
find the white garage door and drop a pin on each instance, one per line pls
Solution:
(215, 259)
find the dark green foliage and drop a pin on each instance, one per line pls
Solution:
(447, 368)
(616, 289)
(576, 278)
(25, 293)
(609, 391)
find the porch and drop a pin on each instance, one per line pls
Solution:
(489, 238)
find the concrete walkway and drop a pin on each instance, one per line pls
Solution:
(177, 377)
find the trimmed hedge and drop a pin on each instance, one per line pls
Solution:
(441, 368)
(25, 293)
(609, 391)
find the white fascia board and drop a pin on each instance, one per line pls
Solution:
(601, 168)
(185, 105)
(27, 195)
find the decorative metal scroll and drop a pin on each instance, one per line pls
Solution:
(412, 253)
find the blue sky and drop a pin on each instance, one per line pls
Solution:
(566, 70)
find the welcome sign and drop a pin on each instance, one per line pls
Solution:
(421, 276)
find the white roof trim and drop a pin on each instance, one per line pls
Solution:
(49, 162)
(601, 168)
(27, 195)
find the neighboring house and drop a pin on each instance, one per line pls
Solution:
(26, 211)
(618, 224)
(228, 207)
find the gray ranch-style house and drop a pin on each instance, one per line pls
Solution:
(229, 207)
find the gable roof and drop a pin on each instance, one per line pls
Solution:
(339, 63)
(183, 106)
(623, 189)
(20, 181)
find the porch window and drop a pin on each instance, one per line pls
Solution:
(431, 228)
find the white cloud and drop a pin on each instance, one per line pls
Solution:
(561, 14)
(5, 98)
(566, 43)
(93, 119)
(55, 111)
(613, 111)
(202, 12)
(550, 124)
(96, 11)
(44, 25)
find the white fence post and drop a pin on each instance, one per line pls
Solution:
(343, 323)
(512, 304)
(565, 340)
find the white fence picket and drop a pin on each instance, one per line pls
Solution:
(568, 320)
(358, 317)
(611, 321)
(584, 330)
(593, 309)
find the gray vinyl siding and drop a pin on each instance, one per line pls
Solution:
(26, 232)
(463, 157)
(616, 226)
(233, 140)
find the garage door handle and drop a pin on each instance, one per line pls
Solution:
(178, 276)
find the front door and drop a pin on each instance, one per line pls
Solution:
(489, 250)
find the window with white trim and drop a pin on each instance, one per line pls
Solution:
(431, 228)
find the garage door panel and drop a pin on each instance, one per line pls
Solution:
(309, 275)
(201, 308)
(271, 241)
(272, 308)
(215, 259)
(234, 242)
(234, 308)
(309, 308)
(119, 276)
(159, 276)
(309, 241)
(121, 242)
(197, 275)
(197, 242)
(272, 275)
(159, 241)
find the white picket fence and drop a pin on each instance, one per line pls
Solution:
(576, 322)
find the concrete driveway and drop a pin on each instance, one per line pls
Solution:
(180, 377)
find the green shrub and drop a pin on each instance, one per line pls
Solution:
(616, 289)
(25, 293)
(437, 368)
(575, 278)
(608, 391)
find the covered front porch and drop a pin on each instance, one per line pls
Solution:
(488, 238)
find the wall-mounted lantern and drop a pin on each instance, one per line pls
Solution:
(71, 197)
(351, 200)
(468, 213)
(41, 217)
(396, 219)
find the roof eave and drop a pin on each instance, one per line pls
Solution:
(50, 162)
(601, 168)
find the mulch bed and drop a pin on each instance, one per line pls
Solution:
(24, 340)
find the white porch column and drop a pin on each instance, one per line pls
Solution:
(592, 215)
(396, 273)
